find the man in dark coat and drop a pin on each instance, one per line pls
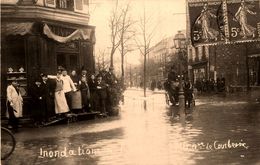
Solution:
(101, 95)
(92, 90)
(112, 90)
(171, 88)
(85, 93)
(172, 75)
(48, 86)
(188, 91)
(38, 102)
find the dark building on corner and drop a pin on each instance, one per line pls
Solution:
(40, 35)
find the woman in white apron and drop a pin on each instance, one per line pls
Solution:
(61, 105)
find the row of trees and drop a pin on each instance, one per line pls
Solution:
(128, 35)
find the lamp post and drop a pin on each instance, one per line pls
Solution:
(180, 46)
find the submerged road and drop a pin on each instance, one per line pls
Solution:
(220, 130)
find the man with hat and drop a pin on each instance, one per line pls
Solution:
(38, 102)
(110, 77)
(48, 87)
(111, 81)
(171, 85)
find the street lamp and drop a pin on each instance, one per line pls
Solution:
(180, 46)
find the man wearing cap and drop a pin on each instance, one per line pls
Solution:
(111, 81)
(38, 102)
(110, 77)
(48, 86)
(171, 85)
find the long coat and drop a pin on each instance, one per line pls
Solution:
(38, 100)
(16, 101)
(85, 93)
(101, 90)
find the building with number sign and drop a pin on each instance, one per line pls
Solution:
(37, 36)
(224, 41)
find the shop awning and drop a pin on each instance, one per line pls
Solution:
(82, 34)
(16, 28)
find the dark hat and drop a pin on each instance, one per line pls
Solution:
(43, 75)
(60, 68)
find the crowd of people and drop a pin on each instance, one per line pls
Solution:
(54, 96)
(209, 86)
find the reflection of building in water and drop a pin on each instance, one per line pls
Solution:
(41, 35)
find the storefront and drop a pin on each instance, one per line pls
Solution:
(199, 71)
(31, 48)
(254, 69)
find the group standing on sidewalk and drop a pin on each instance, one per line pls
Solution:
(54, 96)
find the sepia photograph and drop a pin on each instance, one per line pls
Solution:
(130, 82)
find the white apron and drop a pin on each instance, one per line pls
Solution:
(16, 99)
(61, 105)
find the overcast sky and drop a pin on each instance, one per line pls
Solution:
(168, 15)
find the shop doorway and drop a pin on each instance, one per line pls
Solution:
(67, 60)
(254, 71)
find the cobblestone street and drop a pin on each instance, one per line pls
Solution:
(220, 130)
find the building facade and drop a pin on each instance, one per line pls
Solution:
(38, 36)
(233, 57)
(159, 57)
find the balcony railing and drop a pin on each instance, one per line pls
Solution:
(65, 4)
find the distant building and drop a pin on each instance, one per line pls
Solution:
(158, 58)
(161, 57)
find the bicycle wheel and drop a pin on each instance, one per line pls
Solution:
(7, 143)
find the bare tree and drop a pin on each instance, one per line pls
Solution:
(143, 44)
(102, 61)
(126, 34)
(114, 23)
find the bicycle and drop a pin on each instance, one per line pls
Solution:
(8, 143)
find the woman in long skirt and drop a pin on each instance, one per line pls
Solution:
(61, 105)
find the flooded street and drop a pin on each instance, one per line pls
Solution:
(220, 130)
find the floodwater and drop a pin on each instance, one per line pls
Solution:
(218, 130)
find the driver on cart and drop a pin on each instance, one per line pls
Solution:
(171, 86)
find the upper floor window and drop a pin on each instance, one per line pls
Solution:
(65, 4)
(80, 6)
(9, 2)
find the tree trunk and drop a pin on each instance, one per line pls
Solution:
(112, 58)
(145, 73)
(122, 69)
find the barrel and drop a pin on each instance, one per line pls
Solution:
(76, 102)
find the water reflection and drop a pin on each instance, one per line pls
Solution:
(146, 133)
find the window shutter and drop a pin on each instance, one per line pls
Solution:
(78, 5)
(50, 3)
(81, 6)
(86, 2)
